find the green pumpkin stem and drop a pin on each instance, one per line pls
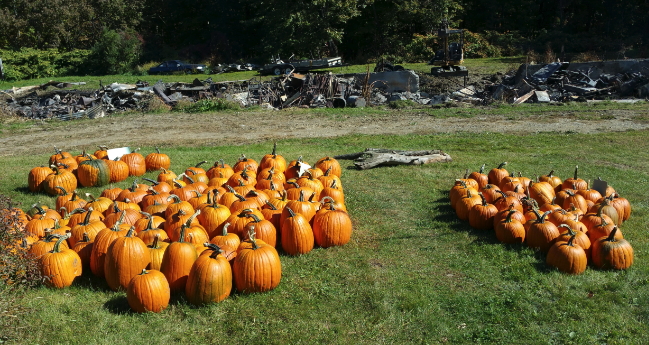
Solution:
(272, 207)
(224, 231)
(131, 231)
(572, 239)
(57, 245)
(571, 232)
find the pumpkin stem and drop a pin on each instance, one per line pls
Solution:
(274, 153)
(290, 212)
(65, 192)
(482, 169)
(57, 245)
(191, 218)
(301, 198)
(156, 238)
(501, 165)
(576, 168)
(611, 236)
(484, 201)
(571, 232)
(572, 239)
(131, 231)
(217, 250)
(509, 216)
(225, 229)
(272, 207)
(542, 219)
(251, 236)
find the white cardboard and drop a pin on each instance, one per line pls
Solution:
(118, 152)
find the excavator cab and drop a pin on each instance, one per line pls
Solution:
(450, 58)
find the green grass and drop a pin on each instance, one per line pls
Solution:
(412, 272)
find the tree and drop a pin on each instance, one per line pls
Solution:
(116, 52)
(300, 28)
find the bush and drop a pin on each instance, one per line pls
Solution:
(420, 49)
(29, 63)
(17, 266)
(477, 46)
(116, 52)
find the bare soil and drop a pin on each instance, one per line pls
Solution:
(229, 128)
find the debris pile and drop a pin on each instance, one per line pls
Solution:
(74, 104)
(555, 82)
(563, 81)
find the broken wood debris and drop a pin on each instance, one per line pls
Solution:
(564, 81)
(371, 157)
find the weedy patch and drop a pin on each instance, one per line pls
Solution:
(206, 105)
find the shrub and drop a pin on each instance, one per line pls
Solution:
(17, 266)
(477, 46)
(29, 63)
(420, 49)
(116, 52)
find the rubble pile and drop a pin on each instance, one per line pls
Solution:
(555, 82)
(74, 104)
(563, 81)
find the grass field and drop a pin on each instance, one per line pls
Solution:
(412, 272)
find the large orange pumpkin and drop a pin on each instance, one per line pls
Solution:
(148, 291)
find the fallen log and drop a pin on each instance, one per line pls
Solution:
(371, 158)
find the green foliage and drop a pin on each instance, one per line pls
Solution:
(207, 105)
(116, 52)
(476, 46)
(29, 63)
(421, 48)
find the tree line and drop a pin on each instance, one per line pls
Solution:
(359, 30)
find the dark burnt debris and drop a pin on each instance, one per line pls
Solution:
(626, 80)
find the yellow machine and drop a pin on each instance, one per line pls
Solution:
(451, 56)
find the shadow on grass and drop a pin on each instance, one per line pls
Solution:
(91, 282)
(25, 190)
(443, 212)
(118, 305)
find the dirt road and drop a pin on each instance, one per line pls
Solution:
(247, 127)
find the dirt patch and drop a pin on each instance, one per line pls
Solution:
(231, 128)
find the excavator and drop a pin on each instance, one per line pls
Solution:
(449, 59)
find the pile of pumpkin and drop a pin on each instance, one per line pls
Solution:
(202, 232)
(574, 224)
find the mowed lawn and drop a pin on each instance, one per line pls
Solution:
(412, 273)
